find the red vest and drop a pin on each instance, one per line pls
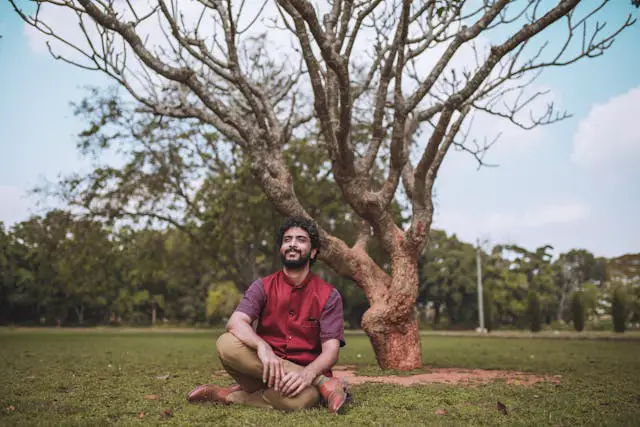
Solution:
(290, 319)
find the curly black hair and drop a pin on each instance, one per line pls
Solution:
(307, 225)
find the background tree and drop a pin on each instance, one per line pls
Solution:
(577, 311)
(448, 279)
(16, 279)
(364, 64)
(624, 273)
(84, 267)
(70, 264)
(508, 288)
(529, 273)
(619, 308)
(149, 275)
(533, 311)
(222, 301)
(575, 269)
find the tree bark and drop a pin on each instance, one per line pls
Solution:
(391, 322)
(396, 344)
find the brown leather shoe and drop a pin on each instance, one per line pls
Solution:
(212, 393)
(334, 392)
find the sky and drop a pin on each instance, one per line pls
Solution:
(573, 184)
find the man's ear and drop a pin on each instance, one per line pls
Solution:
(314, 253)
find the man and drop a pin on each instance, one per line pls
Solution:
(286, 362)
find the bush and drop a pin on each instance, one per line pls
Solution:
(577, 311)
(533, 311)
(619, 309)
(222, 300)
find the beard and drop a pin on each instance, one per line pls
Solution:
(295, 264)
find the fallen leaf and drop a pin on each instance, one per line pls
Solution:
(163, 377)
(141, 414)
(502, 408)
(152, 397)
(166, 414)
(11, 408)
(441, 411)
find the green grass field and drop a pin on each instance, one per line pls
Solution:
(58, 377)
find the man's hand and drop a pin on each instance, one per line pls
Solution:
(272, 367)
(293, 383)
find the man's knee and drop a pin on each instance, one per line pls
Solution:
(227, 346)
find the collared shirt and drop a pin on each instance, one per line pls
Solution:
(295, 319)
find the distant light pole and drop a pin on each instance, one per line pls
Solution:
(481, 329)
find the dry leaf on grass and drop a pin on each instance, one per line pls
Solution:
(11, 408)
(502, 408)
(141, 414)
(162, 377)
(441, 411)
(152, 397)
(166, 414)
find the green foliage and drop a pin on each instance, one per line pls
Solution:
(533, 311)
(353, 299)
(578, 310)
(447, 278)
(579, 269)
(67, 269)
(593, 299)
(625, 272)
(619, 308)
(538, 273)
(222, 300)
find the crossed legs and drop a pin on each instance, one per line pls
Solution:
(243, 364)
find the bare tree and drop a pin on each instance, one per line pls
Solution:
(385, 66)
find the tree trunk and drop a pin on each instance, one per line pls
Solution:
(436, 313)
(397, 345)
(451, 311)
(153, 312)
(80, 313)
(391, 322)
(565, 290)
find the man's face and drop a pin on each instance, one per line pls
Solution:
(296, 251)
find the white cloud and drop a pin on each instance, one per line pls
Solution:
(505, 223)
(65, 23)
(608, 139)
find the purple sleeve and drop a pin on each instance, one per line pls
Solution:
(253, 300)
(331, 320)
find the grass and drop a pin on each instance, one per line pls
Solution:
(61, 377)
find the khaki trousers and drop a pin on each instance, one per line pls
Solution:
(243, 364)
